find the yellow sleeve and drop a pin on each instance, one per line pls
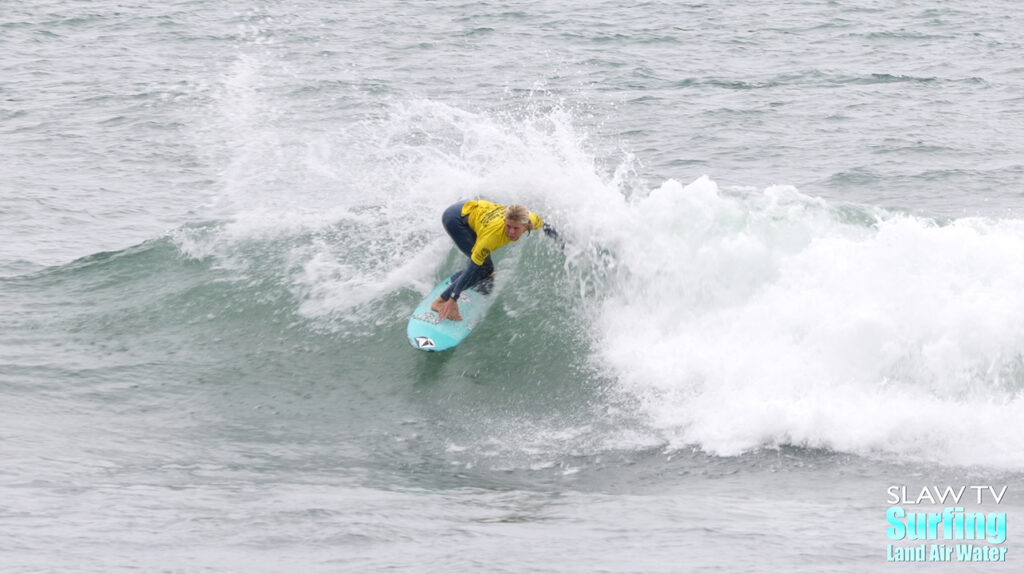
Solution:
(480, 253)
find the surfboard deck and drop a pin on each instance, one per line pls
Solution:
(427, 332)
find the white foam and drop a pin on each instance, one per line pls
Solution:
(760, 319)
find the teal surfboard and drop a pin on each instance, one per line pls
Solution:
(427, 332)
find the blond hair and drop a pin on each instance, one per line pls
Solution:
(518, 214)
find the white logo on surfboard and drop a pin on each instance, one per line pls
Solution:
(431, 318)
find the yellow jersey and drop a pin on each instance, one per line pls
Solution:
(487, 220)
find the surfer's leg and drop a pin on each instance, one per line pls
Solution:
(486, 270)
(486, 281)
(457, 226)
(475, 274)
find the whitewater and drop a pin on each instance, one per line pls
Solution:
(790, 285)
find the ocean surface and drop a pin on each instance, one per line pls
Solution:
(793, 285)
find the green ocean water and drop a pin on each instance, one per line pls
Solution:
(791, 281)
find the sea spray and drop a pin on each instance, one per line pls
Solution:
(749, 319)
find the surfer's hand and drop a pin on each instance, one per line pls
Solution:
(449, 310)
(550, 232)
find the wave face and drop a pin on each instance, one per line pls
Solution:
(728, 320)
(682, 317)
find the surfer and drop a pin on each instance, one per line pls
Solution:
(478, 228)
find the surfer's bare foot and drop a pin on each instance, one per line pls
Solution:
(446, 309)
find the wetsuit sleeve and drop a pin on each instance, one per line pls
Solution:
(551, 233)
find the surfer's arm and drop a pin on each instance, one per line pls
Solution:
(550, 232)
